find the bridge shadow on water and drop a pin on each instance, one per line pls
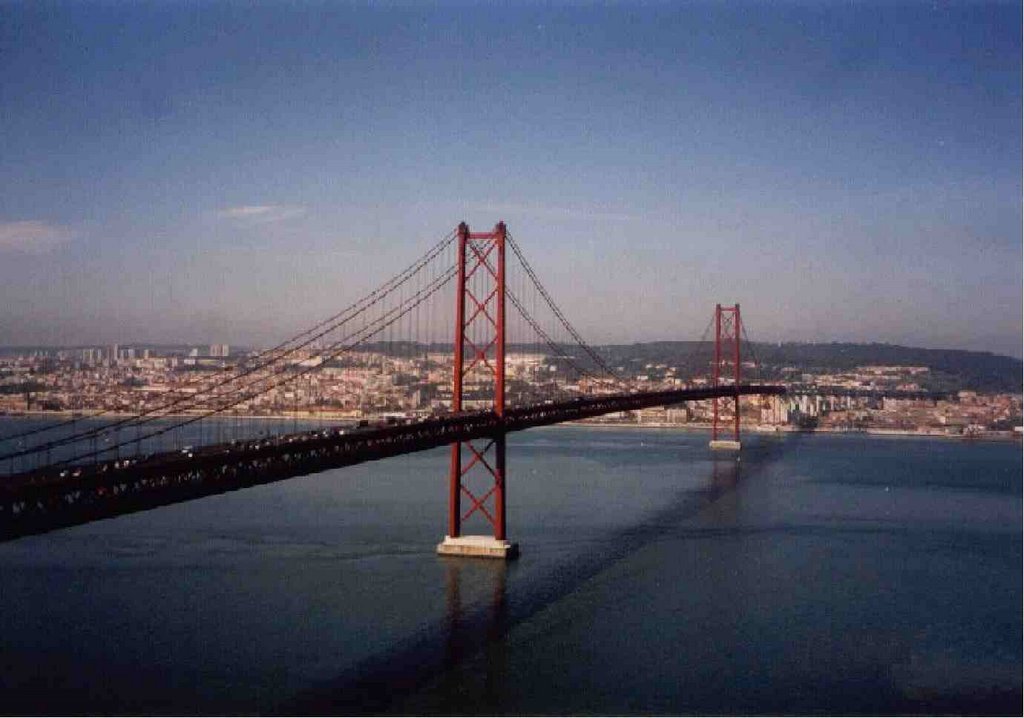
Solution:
(381, 683)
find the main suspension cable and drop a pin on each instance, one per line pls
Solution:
(558, 313)
(317, 331)
(367, 333)
(555, 346)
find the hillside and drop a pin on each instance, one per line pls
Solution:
(951, 368)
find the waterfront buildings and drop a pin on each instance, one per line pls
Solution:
(415, 381)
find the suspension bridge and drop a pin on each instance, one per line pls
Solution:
(513, 362)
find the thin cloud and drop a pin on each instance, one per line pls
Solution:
(261, 213)
(32, 237)
(551, 212)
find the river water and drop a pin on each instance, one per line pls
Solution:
(815, 573)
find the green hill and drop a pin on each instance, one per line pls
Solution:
(951, 369)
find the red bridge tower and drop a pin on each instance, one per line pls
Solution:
(480, 348)
(728, 327)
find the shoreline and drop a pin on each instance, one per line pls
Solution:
(876, 432)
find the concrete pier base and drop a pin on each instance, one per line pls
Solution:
(478, 547)
(724, 445)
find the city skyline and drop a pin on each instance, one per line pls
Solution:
(231, 174)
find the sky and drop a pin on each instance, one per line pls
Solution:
(234, 172)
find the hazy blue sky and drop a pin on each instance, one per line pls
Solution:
(219, 172)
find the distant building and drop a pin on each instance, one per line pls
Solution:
(219, 350)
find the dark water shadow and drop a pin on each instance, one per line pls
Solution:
(379, 684)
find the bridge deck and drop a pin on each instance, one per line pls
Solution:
(61, 496)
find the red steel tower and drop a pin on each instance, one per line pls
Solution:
(479, 348)
(728, 328)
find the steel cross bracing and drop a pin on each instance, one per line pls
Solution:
(485, 298)
(47, 499)
(728, 327)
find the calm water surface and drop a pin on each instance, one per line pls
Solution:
(815, 574)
